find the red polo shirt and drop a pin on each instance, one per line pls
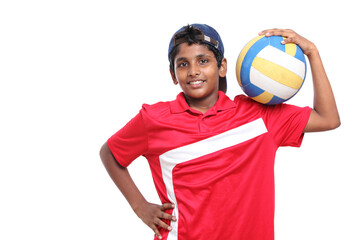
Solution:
(218, 167)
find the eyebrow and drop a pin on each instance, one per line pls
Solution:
(197, 56)
(203, 55)
(180, 59)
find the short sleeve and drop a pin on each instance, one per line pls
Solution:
(286, 123)
(130, 142)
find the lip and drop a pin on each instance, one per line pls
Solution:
(198, 83)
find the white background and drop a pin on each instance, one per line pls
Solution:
(73, 72)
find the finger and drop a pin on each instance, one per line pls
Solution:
(163, 225)
(288, 40)
(269, 32)
(156, 231)
(166, 206)
(167, 216)
(278, 32)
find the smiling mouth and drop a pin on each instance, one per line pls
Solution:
(197, 82)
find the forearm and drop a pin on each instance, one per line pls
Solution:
(324, 100)
(122, 179)
(151, 214)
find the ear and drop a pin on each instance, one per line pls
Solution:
(223, 68)
(173, 77)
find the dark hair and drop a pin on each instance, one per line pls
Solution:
(190, 34)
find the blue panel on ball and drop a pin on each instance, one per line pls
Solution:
(275, 41)
(299, 54)
(249, 58)
(275, 100)
(252, 91)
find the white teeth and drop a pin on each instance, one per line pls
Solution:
(195, 82)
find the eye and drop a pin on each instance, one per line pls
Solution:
(182, 64)
(203, 61)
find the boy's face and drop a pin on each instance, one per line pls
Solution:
(197, 72)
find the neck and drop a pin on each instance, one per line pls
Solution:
(201, 105)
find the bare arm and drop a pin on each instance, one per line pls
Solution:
(150, 214)
(324, 115)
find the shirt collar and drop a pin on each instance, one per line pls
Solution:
(180, 105)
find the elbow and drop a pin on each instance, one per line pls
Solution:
(334, 124)
(337, 124)
(319, 123)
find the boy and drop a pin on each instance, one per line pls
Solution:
(212, 159)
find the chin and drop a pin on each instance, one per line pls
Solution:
(199, 93)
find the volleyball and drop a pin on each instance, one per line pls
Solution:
(270, 72)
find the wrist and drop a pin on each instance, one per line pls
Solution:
(312, 51)
(138, 206)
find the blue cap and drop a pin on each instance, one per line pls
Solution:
(207, 35)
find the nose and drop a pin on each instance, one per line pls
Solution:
(194, 70)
